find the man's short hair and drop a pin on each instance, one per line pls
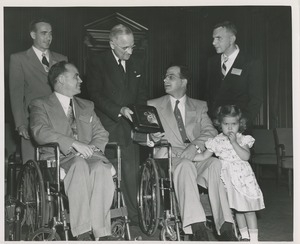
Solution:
(55, 71)
(184, 71)
(230, 27)
(32, 25)
(119, 30)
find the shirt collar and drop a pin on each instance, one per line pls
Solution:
(39, 53)
(231, 56)
(182, 101)
(117, 59)
(64, 100)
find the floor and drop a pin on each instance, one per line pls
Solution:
(275, 222)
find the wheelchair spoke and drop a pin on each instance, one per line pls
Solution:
(149, 197)
(31, 194)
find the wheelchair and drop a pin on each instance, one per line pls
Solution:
(156, 197)
(157, 202)
(38, 212)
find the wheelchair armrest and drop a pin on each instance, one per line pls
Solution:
(53, 145)
(112, 144)
(162, 143)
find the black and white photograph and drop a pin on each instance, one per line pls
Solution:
(150, 121)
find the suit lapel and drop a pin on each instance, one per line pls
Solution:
(34, 60)
(113, 69)
(168, 116)
(57, 115)
(238, 64)
(190, 117)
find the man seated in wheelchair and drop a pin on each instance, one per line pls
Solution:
(72, 123)
(187, 135)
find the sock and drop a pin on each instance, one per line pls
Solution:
(253, 234)
(244, 233)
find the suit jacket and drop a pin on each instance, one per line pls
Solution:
(49, 124)
(28, 80)
(110, 91)
(198, 125)
(243, 85)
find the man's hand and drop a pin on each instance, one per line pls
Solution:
(189, 152)
(126, 112)
(84, 150)
(23, 131)
(157, 136)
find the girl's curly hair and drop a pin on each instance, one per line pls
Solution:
(230, 111)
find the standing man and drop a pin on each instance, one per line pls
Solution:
(187, 127)
(233, 76)
(28, 72)
(115, 81)
(72, 123)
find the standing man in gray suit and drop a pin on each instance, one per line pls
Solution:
(28, 71)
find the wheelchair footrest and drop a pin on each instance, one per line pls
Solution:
(118, 212)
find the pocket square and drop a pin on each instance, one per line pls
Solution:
(235, 71)
(138, 76)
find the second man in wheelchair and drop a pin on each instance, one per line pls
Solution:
(187, 127)
(72, 123)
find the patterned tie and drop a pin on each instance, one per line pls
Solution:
(180, 124)
(44, 60)
(72, 120)
(224, 66)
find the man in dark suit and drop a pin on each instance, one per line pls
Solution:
(115, 81)
(28, 79)
(72, 123)
(187, 173)
(233, 76)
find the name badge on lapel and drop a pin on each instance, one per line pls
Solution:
(235, 71)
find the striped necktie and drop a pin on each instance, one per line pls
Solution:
(72, 120)
(224, 68)
(180, 124)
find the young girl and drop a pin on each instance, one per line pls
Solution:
(232, 148)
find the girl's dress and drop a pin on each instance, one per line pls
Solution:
(243, 192)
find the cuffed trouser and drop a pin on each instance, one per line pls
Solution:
(186, 176)
(90, 188)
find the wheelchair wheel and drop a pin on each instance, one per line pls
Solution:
(118, 229)
(149, 198)
(44, 234)
(31, 194)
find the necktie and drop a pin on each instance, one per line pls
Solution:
(180, 124)
(44, 60)
(224, 66)
(72, 121)
(121, 66)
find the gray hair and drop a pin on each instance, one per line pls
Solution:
(119, 30)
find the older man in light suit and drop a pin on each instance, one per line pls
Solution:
(28, 72)
(187, 135)
(72, 123)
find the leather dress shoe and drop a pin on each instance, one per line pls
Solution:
(84, 237)
(245, 239)
(228, 235)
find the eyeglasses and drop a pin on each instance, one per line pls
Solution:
(125, 49)
(171, 77)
